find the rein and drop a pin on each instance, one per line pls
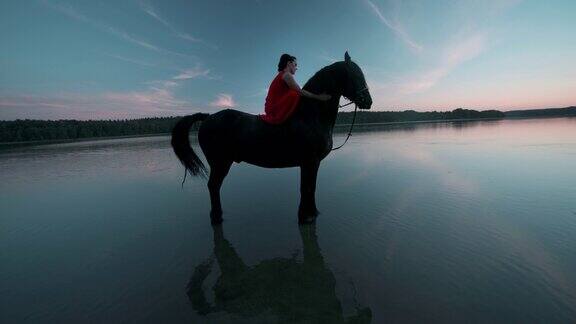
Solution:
(353, 118)
(351, 125)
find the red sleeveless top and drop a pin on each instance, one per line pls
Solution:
(281, 101)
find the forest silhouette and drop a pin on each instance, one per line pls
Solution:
(24, 130)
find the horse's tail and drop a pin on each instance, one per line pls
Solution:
(182, 148)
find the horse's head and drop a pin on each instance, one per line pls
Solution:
(356, 88)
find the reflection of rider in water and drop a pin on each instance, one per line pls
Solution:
(284, 93)
(289, 290)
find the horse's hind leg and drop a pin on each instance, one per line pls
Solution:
(218, 171)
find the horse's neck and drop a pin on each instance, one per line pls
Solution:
(328, 80)
(329, 114)
(318, 114)
(322, 114)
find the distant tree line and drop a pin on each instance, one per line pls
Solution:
(43, 130)
(363, 117)
(40, 130)
(539, 113)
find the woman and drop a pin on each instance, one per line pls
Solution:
(284, 93)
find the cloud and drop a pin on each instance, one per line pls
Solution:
(162, 84)
(465, 49)
(396, 28)
(72, 13)
(157, 100)
(454, 55)
(223, 101)
(192, 74)
(130, 60)
(412, 88)
(149, 9)
(462, 49)
(160, 99)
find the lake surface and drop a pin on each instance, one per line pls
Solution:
(444, 222)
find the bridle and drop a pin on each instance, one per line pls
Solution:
(353, 117)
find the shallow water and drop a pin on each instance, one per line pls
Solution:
(434, 222)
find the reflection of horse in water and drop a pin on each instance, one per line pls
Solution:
(302, 141)
(289, 290)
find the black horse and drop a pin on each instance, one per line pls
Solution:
(302, 141)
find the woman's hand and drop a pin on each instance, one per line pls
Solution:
(289, 79)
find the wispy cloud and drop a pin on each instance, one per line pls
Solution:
(130, 60)
(73, 13)
(192, 74)
(151, 11)
(454, 55)
(154, 99)
(400, 91)
(424, 87)
(163, 84)
(396, 28)
(223, 100)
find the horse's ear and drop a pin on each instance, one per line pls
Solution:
(347, 57)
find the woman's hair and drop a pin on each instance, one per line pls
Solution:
(284, 59)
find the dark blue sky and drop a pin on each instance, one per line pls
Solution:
(129, 59)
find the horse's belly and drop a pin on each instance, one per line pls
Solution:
(269, 159)
(272, 164)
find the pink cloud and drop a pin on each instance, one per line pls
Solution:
(161, 98)
(223, 101)
(481, 95)
(110, 105)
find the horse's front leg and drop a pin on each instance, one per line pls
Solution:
(307, 211)
(218, 171)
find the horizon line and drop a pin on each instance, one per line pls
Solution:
(362, 110)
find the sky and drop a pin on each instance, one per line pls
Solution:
(145, 58)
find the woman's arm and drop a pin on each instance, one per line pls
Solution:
(289, 79)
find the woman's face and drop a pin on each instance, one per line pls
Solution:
(292, 67)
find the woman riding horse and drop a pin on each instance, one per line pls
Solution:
(284, 93)
(303, 140)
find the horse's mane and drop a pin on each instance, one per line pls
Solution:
(328, 80)
(325, 77)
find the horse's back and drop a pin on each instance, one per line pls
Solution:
(219, 130)
(231, 122)
(235, 135)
